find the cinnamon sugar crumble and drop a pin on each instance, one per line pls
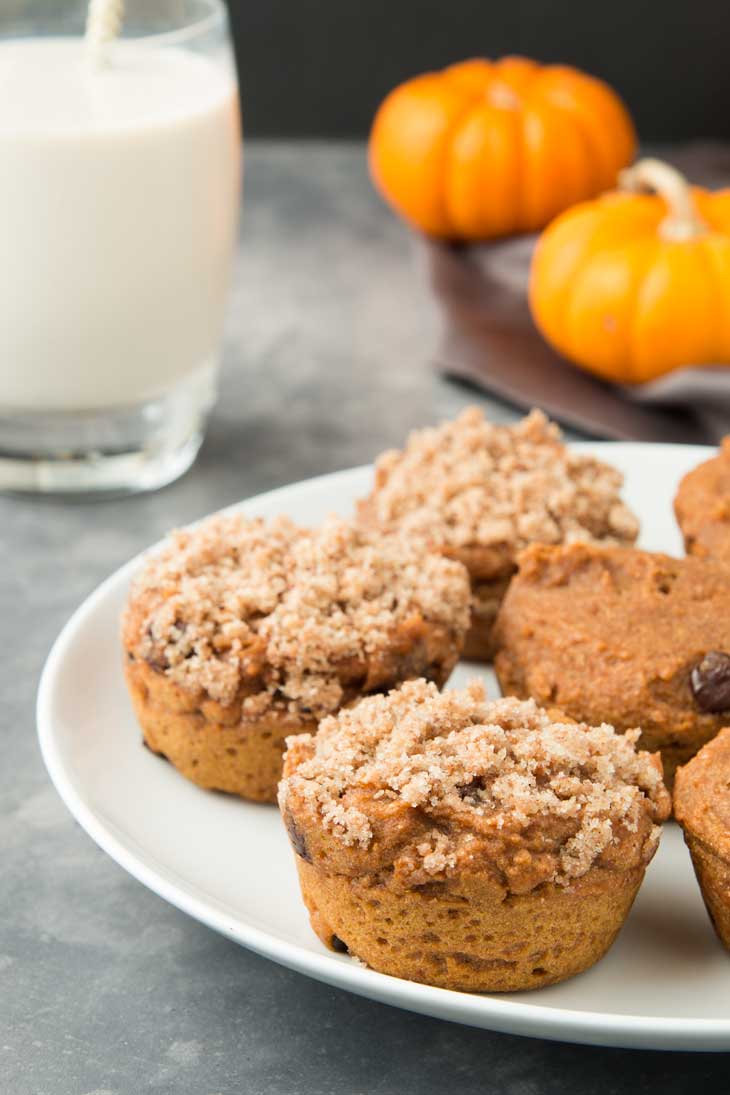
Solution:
(471, 483)
(476, 770)
(278, 613)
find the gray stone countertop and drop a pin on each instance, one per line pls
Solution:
(104, 988)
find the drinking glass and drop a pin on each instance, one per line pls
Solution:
(119, 201)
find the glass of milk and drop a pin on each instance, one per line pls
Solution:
(119, 199)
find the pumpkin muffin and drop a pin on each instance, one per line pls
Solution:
(621, 636)
(238, 633)
(475, 845)
(480, 493)
(702, 807)
(702, 506)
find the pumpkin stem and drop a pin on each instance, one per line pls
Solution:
(683, 222)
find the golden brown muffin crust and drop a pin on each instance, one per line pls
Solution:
(471, 940)
(619, 635)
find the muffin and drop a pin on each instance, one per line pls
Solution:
(621, 636)
(474, 845)
(702, 506)
(238, 633)
(480, 493)
(702, 807)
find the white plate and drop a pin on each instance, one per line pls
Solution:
(666, 982)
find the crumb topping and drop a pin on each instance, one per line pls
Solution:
(469, 483)
(560, 794)
(280, 613)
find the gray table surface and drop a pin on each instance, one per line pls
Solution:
(105, 989)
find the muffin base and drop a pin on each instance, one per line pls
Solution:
(470, 940)
(713, 876)
(211, 745)
(487, 597)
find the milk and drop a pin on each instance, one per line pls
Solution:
(119, 193)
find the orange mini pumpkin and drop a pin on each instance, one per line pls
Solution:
(635, 284)
(485, 149)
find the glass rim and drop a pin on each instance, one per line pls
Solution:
(215, 18)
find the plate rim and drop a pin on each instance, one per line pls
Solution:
(497, 1012)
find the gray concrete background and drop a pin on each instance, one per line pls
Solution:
(105, 989)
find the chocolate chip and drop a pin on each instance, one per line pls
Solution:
(296, 839)
(157, 665)
(469, 790)
(710, 682)
(337, 945)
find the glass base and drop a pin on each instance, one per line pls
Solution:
(115, 451)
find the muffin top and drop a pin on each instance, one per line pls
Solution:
(623, 633)
(702, 795)
(702, 505)
(240, 610)
(483, 491)
(434, 786)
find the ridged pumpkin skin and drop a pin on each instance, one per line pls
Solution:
(485, 149)
(611, 292)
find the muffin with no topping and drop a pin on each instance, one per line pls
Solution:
(238, 633)
(480, 493)
(702, 808)
(702, 506)
(475, 845)
(628, 637)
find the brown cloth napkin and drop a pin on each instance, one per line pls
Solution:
(491, 341)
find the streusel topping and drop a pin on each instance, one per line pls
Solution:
(501, 778)
(290, 615)
(470, 483)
